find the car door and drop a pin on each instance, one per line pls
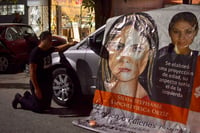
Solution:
(92, 57)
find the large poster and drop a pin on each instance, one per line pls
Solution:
(147, 86)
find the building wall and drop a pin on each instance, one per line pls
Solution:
(7, 18)
(38, 16)
(130, 6)
(37, 2)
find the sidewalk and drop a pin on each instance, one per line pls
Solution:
(18, 80)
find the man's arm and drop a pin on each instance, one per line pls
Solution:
(63, 47)
(33, 78)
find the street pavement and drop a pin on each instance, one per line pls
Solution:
(58, 119)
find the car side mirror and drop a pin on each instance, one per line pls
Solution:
(93, 45)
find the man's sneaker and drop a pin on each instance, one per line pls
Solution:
(16, 100)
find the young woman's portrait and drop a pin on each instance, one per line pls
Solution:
(131, 45)
(177, 58)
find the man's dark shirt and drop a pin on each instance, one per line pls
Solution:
(37, 57)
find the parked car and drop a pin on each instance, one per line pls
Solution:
(16, 42)
(75, 71)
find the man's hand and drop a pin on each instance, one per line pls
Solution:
(38, 94)
(72, 43)
(64, 47)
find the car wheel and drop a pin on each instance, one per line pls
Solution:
(4, 63)
(63, 87)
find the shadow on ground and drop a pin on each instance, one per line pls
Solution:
(82, 108)
(69, 112)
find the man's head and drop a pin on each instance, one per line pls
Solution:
(44, 35)
(46, 39)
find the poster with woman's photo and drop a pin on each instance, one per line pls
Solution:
(149, 79)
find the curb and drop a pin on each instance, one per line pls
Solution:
(11, 81)
(14, 86)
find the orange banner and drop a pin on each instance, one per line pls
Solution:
(140, 106)
(195, 106)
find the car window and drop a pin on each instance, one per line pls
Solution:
(18, 32)
(99, 38)
(84, 45)
(96, 44)
(27, 30)
(10, 34)
(13, 33)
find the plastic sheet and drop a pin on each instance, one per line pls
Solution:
(147, 86)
